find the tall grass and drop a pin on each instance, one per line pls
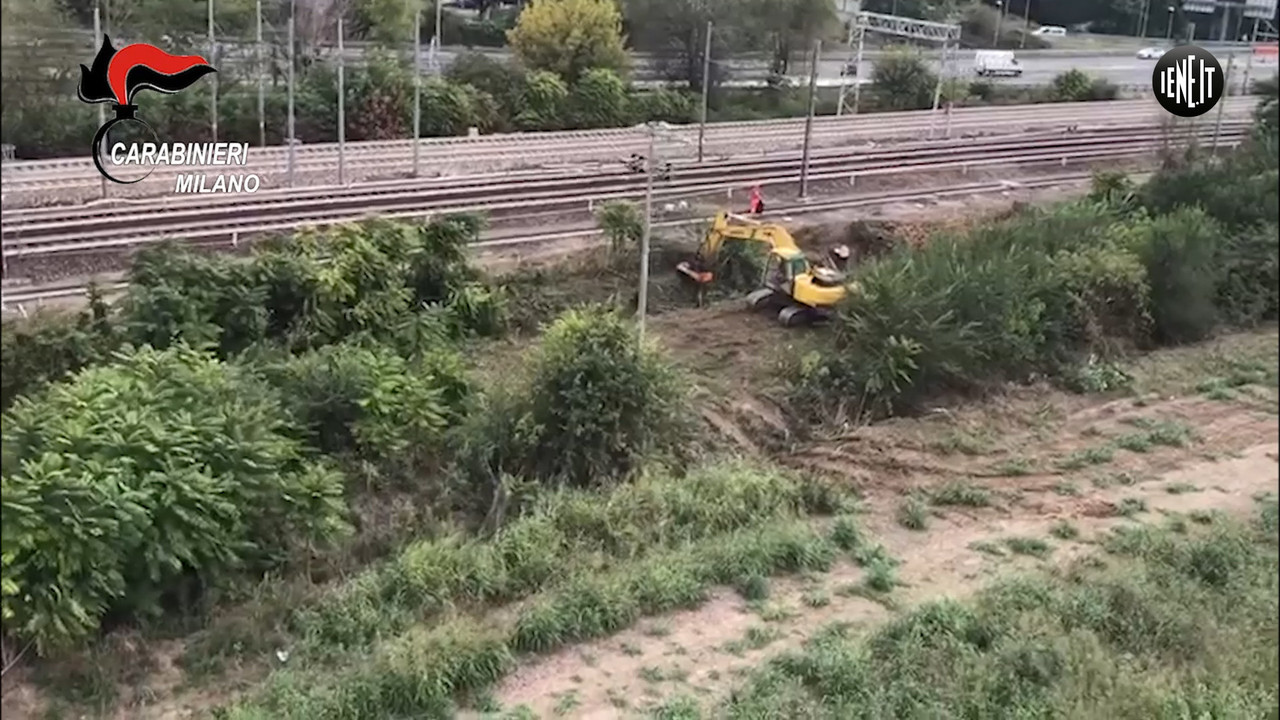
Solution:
(567, 532)
(1169, 626)
(422, 672)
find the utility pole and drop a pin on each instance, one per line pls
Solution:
(1168, 31)
(1222, 102)
(995, 39)
(342, 106)
(213, 87)
(293, 140)
(102, 109)
(417, 90)
(642, 302)
(262, 86)
(706, 90)
(1026, 23)
(437, 42)
(808, 120)
(937, 88)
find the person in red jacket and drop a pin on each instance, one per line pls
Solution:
(757, 201)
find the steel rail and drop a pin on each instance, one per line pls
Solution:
(573, 136)
(54, 291)
(328, 194)
(23, 227)
(388, 158)
(67, 243)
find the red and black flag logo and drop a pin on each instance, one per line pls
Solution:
(117, 76)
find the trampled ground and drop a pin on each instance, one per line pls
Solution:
(1033, 477)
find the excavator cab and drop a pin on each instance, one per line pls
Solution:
(806, 292)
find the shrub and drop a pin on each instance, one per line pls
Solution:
(1071, 86)
(128, 482)
(622, 223)
(504, 82)
(1249, 275)
(902, 80)
(1179, 251)
(595, 403)
(598, 100)
(177, 295)
(599, 400)
(1005, 300)
(663, 105)
(370, 400)
(46, 348)
(542, 105)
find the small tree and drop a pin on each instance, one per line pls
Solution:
(902, 81)
(598, 100)
(543, 102)
(569, 37)
(621, 222)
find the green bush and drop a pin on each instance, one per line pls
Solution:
(1249, 275)
(998, 303)
(599, 401)
(1180, 252)
(370, 400)
(598, 99)
(1071, 86)
(663, 105)
(542, 105)
(132, 484)
(902, 80)
(47, 347)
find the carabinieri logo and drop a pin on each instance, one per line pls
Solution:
(1188, 81)
(116, 77)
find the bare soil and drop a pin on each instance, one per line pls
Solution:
(1229, 459)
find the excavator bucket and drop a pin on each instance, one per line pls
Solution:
(702, 277)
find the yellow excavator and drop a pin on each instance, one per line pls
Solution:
(807, 293)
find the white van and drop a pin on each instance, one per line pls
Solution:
(1053, 30)
(989, 63)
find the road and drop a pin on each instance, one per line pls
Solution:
(1121, 67)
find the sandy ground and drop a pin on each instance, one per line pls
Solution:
(702, 653)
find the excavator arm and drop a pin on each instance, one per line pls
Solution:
(726, 227)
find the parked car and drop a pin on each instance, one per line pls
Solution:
(1151, 53)
(1050, 30)
(987, 63)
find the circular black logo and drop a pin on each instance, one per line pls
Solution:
(1188, 81)
(124, 148)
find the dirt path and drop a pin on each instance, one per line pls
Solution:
(1065, 471)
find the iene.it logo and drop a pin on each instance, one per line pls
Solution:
(1188, 81)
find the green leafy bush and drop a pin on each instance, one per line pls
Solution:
(47, 347)
(598, 100)
(132, 484)
(599, 399)
(1180, 253)
(370, 400)
(1071, 86)
(902, 80)
(596, 401)
(542, 105)
(1001, 302)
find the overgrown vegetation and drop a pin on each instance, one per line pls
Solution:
(1168, 624)
(1047, 290)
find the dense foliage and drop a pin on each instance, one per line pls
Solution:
(133, 484)
(1195, 248)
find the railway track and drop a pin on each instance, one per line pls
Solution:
(28, 182)
(46, 232)
(16, 298)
